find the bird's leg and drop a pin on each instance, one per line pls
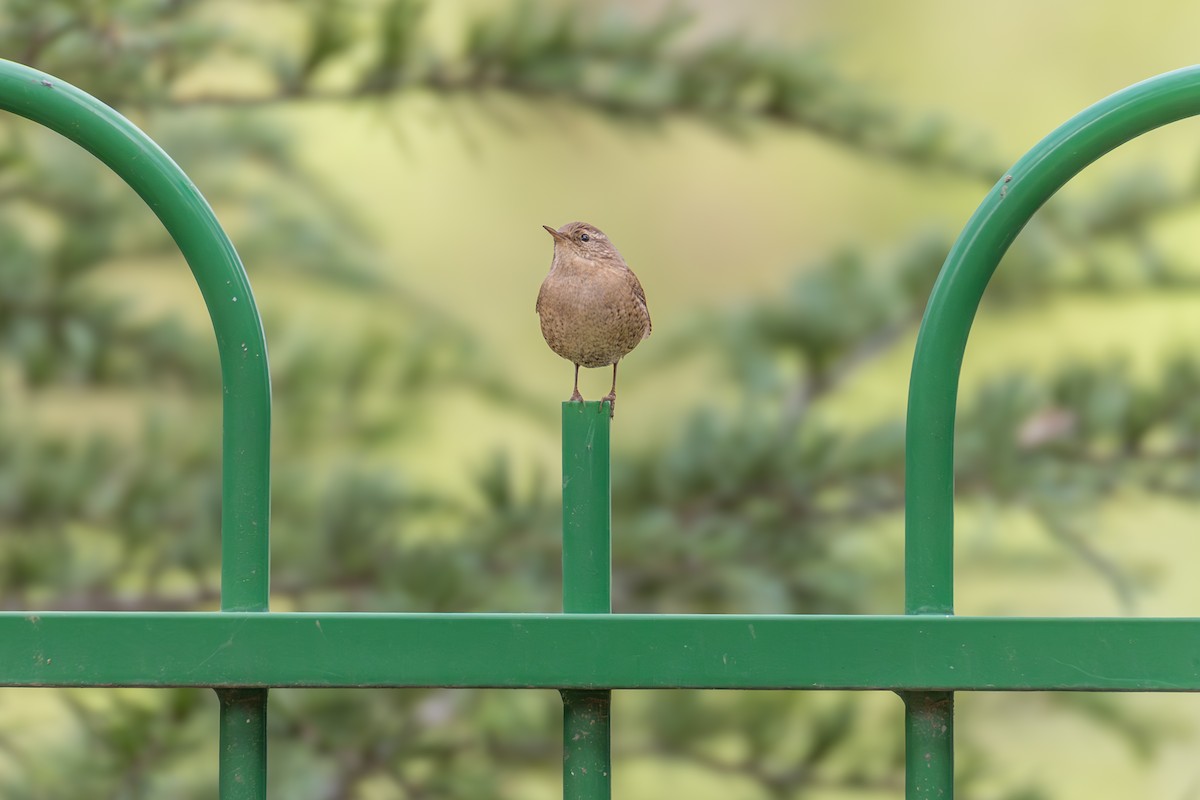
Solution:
(611, 397)
(576, 397)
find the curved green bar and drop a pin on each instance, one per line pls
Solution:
(246, 385)
(245, 509)
(933, 387)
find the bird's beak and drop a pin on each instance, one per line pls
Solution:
(558, 237)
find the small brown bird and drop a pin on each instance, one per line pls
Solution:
(592, 307)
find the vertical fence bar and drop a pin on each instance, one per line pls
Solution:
(587, 588)
(929, 745)
(929, 589)
(243, 742)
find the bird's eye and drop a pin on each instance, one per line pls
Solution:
(585, 237)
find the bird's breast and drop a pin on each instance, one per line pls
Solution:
(590, 316)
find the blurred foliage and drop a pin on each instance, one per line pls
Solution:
(757, 505)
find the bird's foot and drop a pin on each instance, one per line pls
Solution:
(611, 399)
(575, 397)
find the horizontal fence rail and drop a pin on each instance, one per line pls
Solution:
(589, 651)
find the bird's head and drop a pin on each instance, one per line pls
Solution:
(582, 239)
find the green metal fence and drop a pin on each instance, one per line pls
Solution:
(925, 655)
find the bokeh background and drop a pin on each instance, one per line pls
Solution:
(786, 179)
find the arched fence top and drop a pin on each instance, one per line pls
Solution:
(177, 202)
(942, 340)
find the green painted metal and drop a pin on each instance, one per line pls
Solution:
(587, 509)
(925, 655)
(942, 340)
(587, 589)
(243, 742)
(600, 651)
(118, 143)
(185, 214)
(929, 738)
(587, 744)
(928, 745)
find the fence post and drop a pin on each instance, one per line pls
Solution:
(587, 588)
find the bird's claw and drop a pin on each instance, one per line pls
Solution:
(575, 397)
(611, 399)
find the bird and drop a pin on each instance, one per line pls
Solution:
(591, 306)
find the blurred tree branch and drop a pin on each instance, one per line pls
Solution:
(637, 70)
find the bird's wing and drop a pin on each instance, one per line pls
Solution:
(639, 294)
